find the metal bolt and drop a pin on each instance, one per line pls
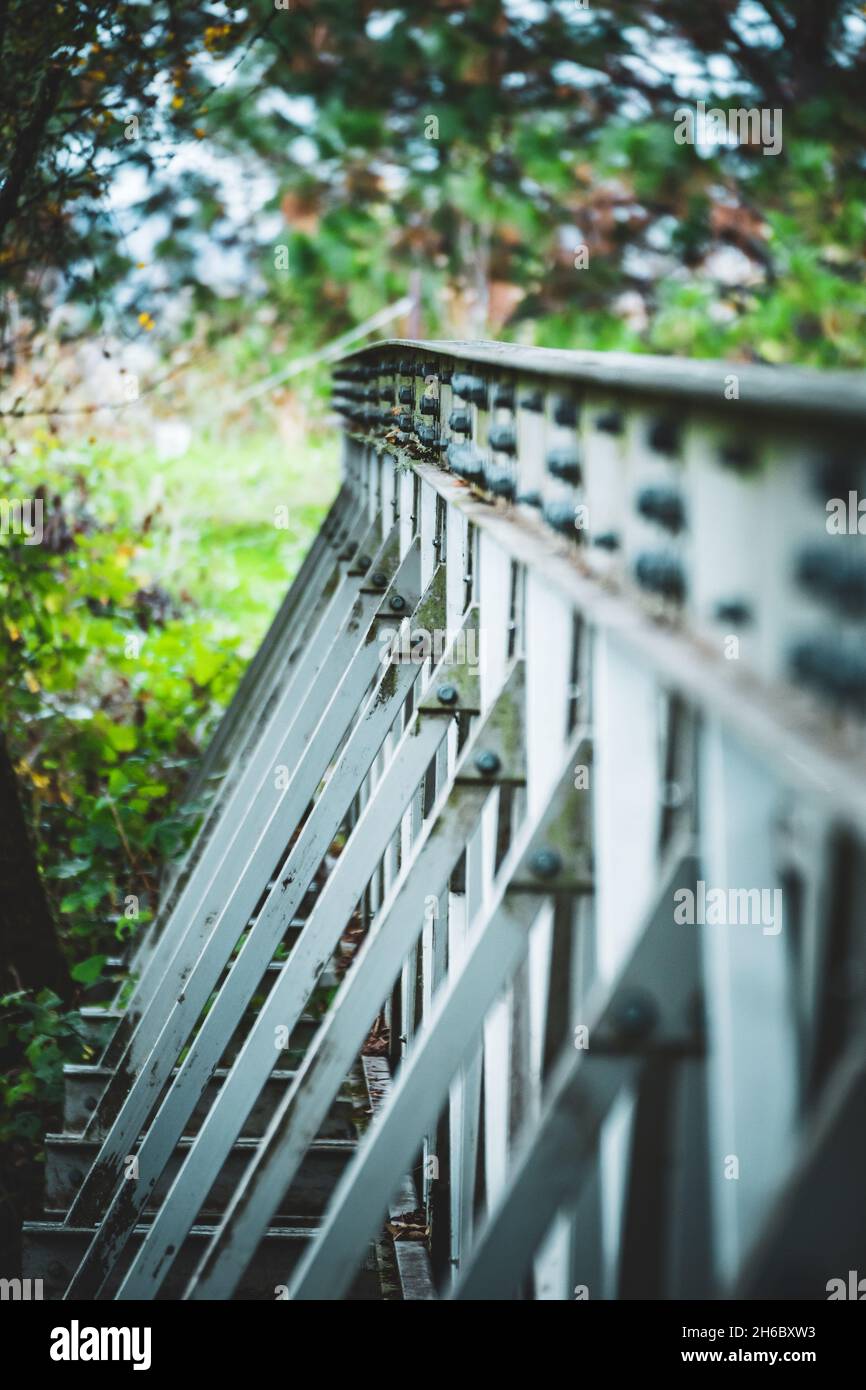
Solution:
(607, 540)
(565, 464)
(738, 455)
(364, 561)
(635, 1014)
(565, 411)
(465, 461)
(660, 573)
(470, 388)
(396, 603)
(447, 694)
(561, 516)
(487, 762)
(664, 436)
(663, 505)
(379, 578)
(837, 670)
(545, 863)
(499, 479)
(733, 611)
(834, 577)
(503, 439)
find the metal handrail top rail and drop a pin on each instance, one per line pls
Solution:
(803, 391)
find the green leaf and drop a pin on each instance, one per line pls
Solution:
(87, 972)
(205, 665)
(121, 737)
(68, 868)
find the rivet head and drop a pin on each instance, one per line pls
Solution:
(545, 863)
(635, 1014)
(663, 505)
(561, 516)
(469, 388)
(738, 455)
(447, 694)
(565, 411)
(664, 436)
(364, 561)
(379, 579)
(607, 540)
(396, 603)
(733, 611)
(837, 671)
(610, 422)
(487, 762)
(502, 438)
(660, 573)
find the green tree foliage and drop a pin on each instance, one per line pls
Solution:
(109, 686)
(463, 146)
(92, 93)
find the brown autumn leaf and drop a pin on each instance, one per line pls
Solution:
(302, 210)
(737, 223)
(407, 1232)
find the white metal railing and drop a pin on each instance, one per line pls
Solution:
(566, 713)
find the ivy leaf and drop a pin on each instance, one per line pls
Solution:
(87, 972)
(68, 868)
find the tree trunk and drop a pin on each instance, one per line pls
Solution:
(30, 956)
(25, 153)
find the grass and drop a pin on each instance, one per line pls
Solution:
(232, 517)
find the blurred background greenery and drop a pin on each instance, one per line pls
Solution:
(194, 196)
